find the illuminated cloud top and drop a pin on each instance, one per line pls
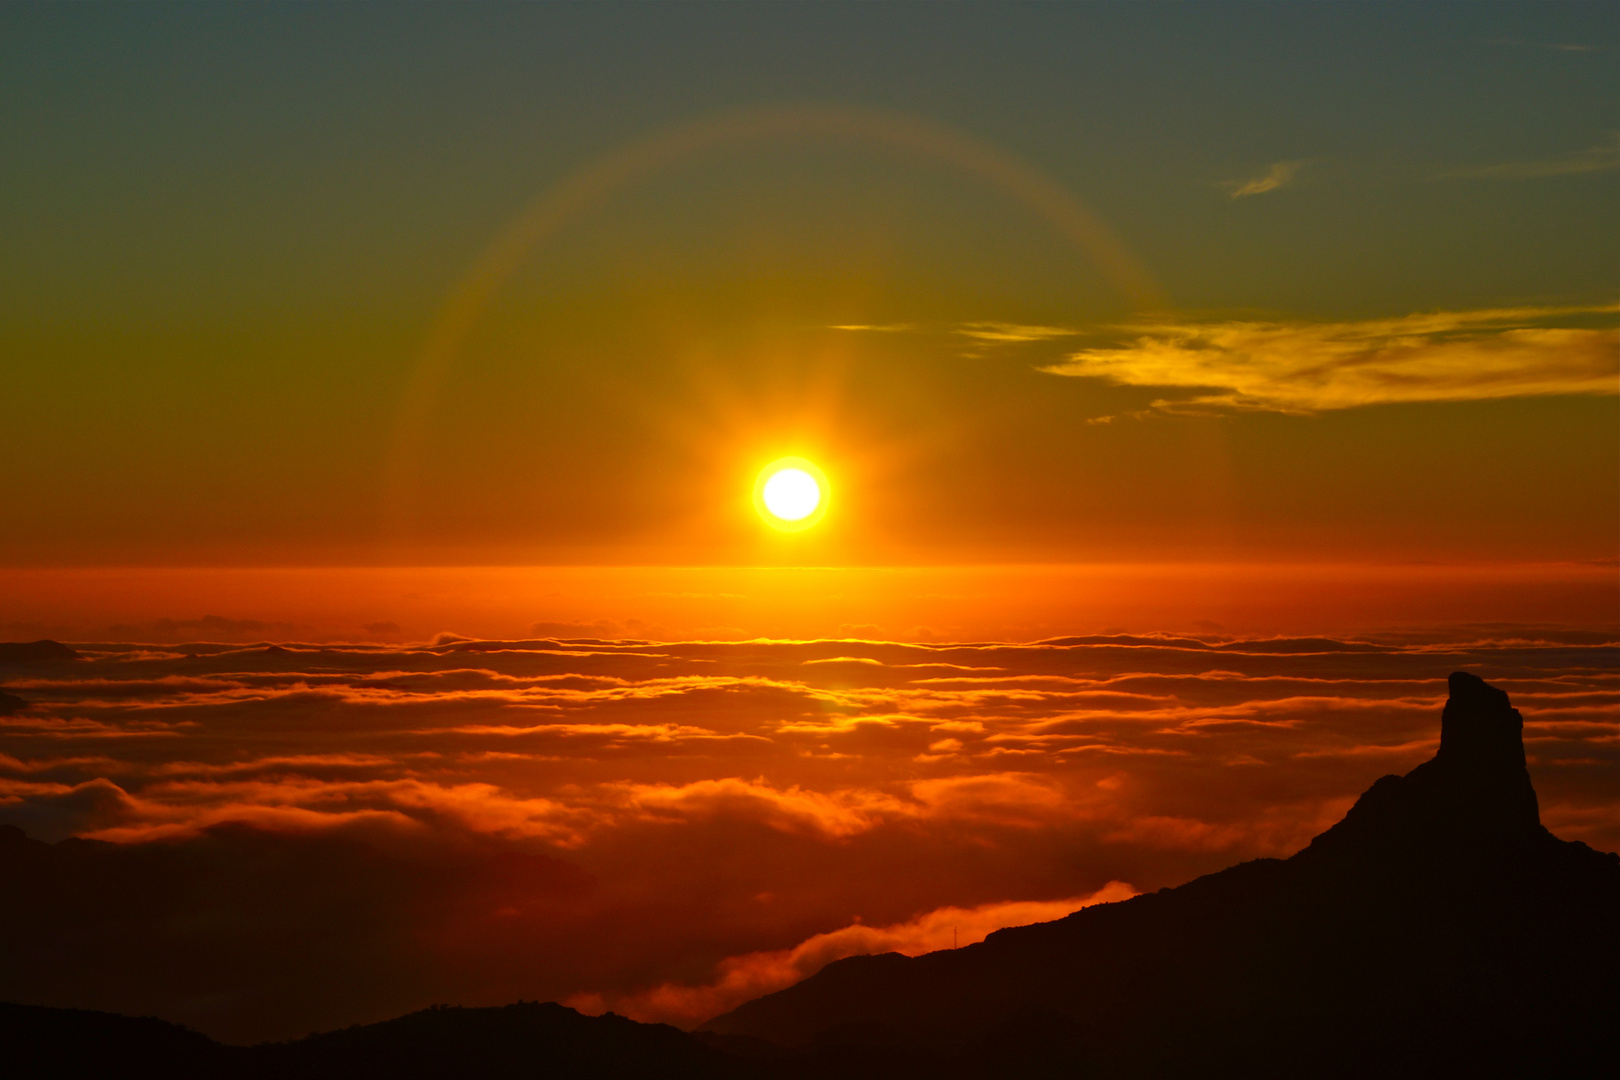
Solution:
(669, 829)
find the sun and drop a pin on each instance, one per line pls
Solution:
(791, 494)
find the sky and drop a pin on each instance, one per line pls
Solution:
(1194, 385)
(360, 285)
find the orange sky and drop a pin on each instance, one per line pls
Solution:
(1016, 603)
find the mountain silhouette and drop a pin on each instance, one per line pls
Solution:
(1437, 930)
(44, 1044)
(523, 1040)
(35, 652)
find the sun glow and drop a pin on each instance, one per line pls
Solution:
(791, 494)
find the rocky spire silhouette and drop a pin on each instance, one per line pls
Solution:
(1474, 795)
(1481, 755)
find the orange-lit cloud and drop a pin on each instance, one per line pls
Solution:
(741, 978)
(1012, 332)
(1601, 157)
(668, 828)
(1279, 175)
(1300, 367)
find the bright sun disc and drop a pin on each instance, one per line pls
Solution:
(791, 494)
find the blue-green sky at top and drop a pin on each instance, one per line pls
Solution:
(227, 229)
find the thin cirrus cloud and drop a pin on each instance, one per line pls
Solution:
(1301, 367)
(1602, 157)
(1279, 175)
(1554, 46)
(1012, 332)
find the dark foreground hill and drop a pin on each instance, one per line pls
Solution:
(525, 1040)
(1438, 930)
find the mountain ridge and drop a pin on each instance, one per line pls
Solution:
(1439, 917)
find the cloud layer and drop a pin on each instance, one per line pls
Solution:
(743, 978)
(1601, 157)
(668, 828)
(1279, 175)
(1310, 367)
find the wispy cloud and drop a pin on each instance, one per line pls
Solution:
(1279, 175)
(1013, 332)
(1554, 46)
(754, 974)
(1600, 158)
(1000, 332)
(1310, 367)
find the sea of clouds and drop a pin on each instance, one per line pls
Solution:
(261, 841)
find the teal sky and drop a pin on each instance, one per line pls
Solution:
(228, 230)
